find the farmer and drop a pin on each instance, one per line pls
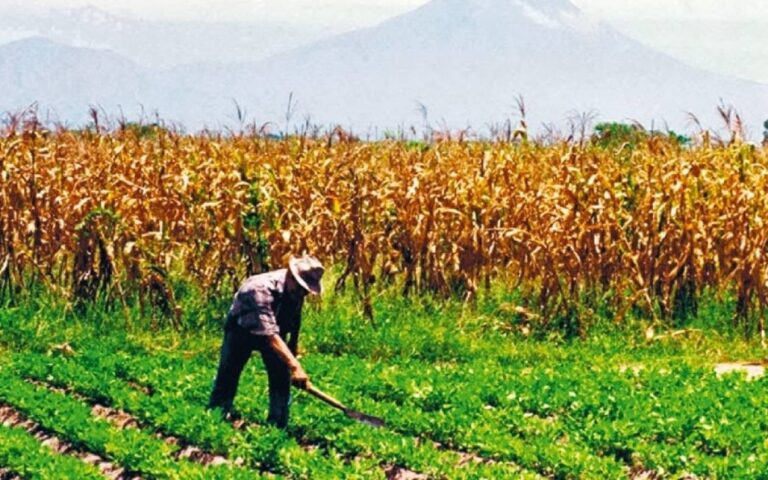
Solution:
(266, 316)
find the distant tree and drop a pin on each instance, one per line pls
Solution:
(765, 134)
(141, 130)
(616, 134)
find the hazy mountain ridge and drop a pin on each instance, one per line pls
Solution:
(157, 43)
(64, 81)
(465, 60)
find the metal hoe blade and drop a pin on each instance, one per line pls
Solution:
(360, 417)
(366, 419)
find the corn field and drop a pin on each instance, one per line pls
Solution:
(118, 215)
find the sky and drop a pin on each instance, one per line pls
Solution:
(351, 13)
(723, 36)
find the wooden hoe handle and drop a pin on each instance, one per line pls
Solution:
(326, 398)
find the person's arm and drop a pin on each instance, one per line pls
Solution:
(293, 340)
(298, 375)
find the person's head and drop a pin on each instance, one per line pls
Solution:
(304, 275)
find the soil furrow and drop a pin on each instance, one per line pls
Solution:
(10, 417)
(6, 474)
(122, 420)
(396, 472)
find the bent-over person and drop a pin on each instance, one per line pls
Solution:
(266, 316)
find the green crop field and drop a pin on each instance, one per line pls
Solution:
(589, 309)
(463, 395)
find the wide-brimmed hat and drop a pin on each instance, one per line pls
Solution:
(308, 271)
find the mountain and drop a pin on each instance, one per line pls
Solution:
(157, 43)
(65, 81)
(465, 61)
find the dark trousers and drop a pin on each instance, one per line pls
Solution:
(236, 349)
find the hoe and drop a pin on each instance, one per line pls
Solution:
(360, 417)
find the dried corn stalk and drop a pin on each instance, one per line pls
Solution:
(651, 227)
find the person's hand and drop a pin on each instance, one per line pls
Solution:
(299, 377)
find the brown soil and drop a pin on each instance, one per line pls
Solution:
(6, 474)
(641, 474)
(394, 472)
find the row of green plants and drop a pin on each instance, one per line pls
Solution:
(593, 418)
(137, 451)
(177, 409)
(475, 429)
(664, 416)
(605, 407)
(260, 447)
(23, 454)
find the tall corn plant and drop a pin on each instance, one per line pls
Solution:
(650, 227)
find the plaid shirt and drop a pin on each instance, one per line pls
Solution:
(262, 306)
